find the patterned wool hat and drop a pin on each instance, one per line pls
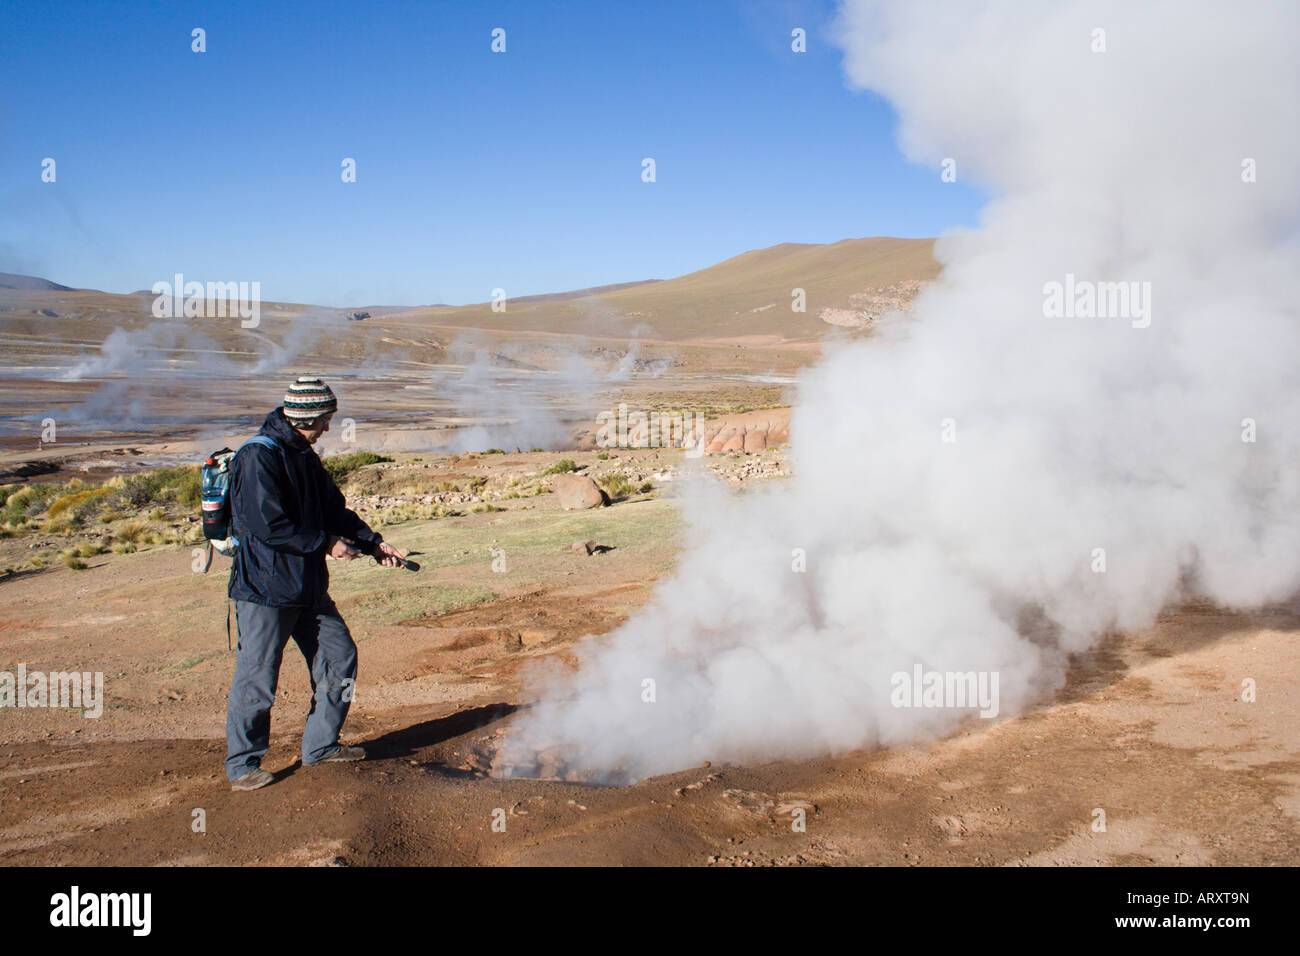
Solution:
(307, 400)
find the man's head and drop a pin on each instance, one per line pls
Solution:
(308, 405)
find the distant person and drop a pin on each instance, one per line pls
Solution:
(287, 515)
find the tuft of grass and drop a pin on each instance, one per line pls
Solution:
(561, 467)
(616, 484)
(184, 485)
(402, 603)
(409, 511)
(603, 456)
(72, 561)
(179, 485)
(72, 503)
(645, 487)
(340, 466)
(28, 502)
(7, 491)
(133, 532)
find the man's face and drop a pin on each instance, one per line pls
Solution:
(320, 428)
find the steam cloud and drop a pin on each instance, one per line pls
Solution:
(147, 355)
(533, 407)
(1071, 434)
(513, 393)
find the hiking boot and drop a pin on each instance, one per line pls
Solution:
(344, 754)
(255, 779)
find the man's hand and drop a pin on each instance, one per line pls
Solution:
(341, 549)
(389, 556)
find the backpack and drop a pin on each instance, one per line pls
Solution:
(214, 489)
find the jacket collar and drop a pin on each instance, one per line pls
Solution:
(277, 427)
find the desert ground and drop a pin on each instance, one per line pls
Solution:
(1151, 728)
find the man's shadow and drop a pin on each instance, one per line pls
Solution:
(408, 740)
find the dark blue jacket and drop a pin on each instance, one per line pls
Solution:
(284, 508)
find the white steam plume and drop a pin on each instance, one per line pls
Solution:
(487, 390)
(1071, 434)
(525, 404)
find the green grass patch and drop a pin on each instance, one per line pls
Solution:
(616, 484)
(340, 466)
(190, 661)
(179, 485)
(76, 505)
(29, 501)
(391, 605)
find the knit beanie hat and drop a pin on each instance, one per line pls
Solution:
(307, 400)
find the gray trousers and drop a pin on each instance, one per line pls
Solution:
(331, 656)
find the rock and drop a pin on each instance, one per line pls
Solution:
(789, 805)
(589, 548)
(755, 440)
(750, 801)
(532, 636)
(578, 492)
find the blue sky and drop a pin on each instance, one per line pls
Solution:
(475, 169)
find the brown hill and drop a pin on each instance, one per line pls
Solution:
(746, 295)
(717, 316)
(21, 283)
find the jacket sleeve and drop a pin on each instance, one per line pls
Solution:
(343, 521)
(257, 508)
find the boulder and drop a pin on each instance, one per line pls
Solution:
(577, 492)
(589, 548)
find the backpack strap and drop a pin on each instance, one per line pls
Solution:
(265, 442)
(272, 443)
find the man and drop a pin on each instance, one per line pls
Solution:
(288, 514)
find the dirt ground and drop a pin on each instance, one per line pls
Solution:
(1151, 730)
